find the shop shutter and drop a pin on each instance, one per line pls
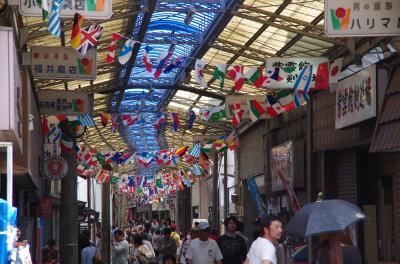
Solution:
(341, 175)
(396, 208)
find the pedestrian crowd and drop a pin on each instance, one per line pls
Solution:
(159, 243)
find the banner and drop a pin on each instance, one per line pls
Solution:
(90, 9)
(356, 98)
(361, 18)
(283, 72)
(243, 100)
(63, 63)
(255, 193)
(64, 102)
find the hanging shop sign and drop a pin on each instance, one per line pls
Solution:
(63, 63)
(91, 9)
(255, 193)
(283, 72)
(10, 89)
(243, 100)
(287, 161)
(356, 98)
(65, 102)
(55, 168)
(359, 18)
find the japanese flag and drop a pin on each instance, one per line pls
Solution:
(334, 70)
(199, 75)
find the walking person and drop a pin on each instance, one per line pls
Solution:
(50, 253)
(166, 245)
(185, 245)
(263, 249)
(142, 254)
(232, 246)
(88, 253)
(203, 250)
(120, 248)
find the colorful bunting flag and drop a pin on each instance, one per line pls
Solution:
(181, 151)
(322, 77)
(274, 75)
(126, 51)
(207, 147)
(175, 122)
(285, 98)
(54, 24)
(219, 74)
(105, 118)
(146, 58)
(89, 37)
(86, 120)
(213, 114)
(255, 110)
(273, 106)
(45, 126)
(191, 118)
(219, 144)
(129, 120)
(45, 8)
(236, 75)
(304, 79)
(232, 141)
(161, 62)
(195, 152)
(334, 70)
(175, 63)
(66, 144)
(114, 123)
(237, 113)
(199, 73)
(76, 30)
(160, 121)
(300, 99)
(256, 77)
(111, 49)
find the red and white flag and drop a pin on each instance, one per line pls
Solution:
(129, 120)
(199, 73)
(236, 75)
(334, 70)
(111, 49)
(237, 114)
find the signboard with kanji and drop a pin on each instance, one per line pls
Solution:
(61, 102)
(357, 18)
(243, 100)
(283, 72)
(63, 63)
(90, 9)
(356, 98)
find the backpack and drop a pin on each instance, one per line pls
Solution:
(143, 259)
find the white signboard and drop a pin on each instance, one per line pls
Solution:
(90, 9)
(243, 100)
(61, 102)
(357, 18)
(63, 63)
(356, 98)
(283, 72)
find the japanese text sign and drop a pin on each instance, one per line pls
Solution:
(55, 102)
(352, 18)
(243, 100)
(63, 63)
(356, 98)
(90, 9)
(283, 72)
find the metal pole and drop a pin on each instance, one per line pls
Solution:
(309, 178)
(215, 223)
(226, 195)
(88, 204)
(9, 173)
(69, 226)
(105, 222)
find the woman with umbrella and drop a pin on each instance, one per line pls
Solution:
(326, 220)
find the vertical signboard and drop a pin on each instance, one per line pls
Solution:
(92, 9)
(358, 18)
(63, 63)
(356, 98)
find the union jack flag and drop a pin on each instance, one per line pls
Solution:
(89, 37)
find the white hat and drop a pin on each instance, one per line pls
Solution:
(203, 225)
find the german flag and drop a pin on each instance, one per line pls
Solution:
(181, 151)
(76, 31)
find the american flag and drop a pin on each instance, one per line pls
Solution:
(89, 37)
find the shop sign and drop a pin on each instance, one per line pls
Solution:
(255, 193)
(55, 168)
(283, 72)
(356, 98)
(63, 63)
(243, 100)
(282, 160)
(90, 9)
(359, 18)
(11, 107)
(55, 102)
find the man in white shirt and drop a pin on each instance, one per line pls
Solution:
(263, 250)
(203, 250)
